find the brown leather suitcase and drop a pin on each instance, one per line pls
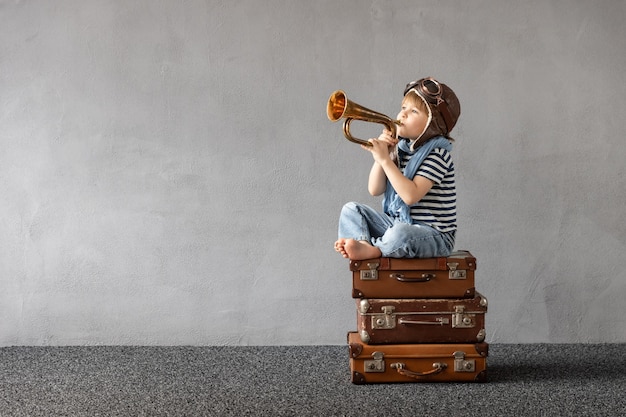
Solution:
(444, 277)
(371, 364)
(387, 321)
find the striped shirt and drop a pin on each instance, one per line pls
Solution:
(438, 207)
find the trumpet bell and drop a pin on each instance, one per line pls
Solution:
(340, 107)
(336, 105)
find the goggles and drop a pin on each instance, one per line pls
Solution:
(432, 91)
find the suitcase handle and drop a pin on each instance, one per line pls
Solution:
(439, 321)
(438, 367)
(423, 278)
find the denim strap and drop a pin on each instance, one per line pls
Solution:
(392, 203)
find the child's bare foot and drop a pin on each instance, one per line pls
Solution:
(357, 250)
(340, 246)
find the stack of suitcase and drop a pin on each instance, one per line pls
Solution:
(417, 320)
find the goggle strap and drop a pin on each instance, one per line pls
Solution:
(445, 112)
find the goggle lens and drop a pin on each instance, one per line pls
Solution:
(429, 88)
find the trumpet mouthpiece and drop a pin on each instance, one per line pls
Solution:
(398, 122)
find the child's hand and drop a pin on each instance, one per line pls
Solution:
(390, 140)
(382, 146)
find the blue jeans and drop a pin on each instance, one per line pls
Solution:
(394, 238)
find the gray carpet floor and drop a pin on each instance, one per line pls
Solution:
(524, 380)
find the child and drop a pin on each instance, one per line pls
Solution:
(419, 204)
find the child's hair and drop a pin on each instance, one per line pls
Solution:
(414, 100)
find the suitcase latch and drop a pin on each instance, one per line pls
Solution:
(386, 320)
(370, 274)
(377, 364)
(462, 320)
(456, 273)
(462, 365)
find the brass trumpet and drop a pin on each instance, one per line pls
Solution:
(339, 107)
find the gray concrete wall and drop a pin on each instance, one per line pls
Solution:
(168, 175)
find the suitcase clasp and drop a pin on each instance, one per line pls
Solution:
(377, 364)
(462, 365)
(370, 274)
(386, 320)
(456, 273)
(461, 319)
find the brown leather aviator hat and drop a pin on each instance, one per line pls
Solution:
(443, 107)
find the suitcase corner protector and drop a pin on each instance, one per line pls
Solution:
(357, 378)
(354, 265)
(356, 293)
(481, 376)
(355, 349)
(482, 349)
